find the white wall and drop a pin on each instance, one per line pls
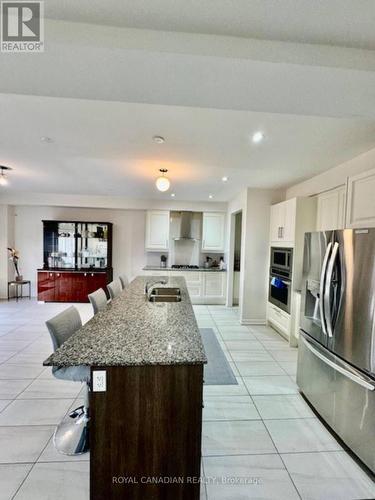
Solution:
(256, 253)
(333, 177)
(6, 240)
(128, 236)
(255, 205)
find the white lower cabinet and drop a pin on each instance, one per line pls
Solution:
(213, 285)
(206, 287)
(279, 319)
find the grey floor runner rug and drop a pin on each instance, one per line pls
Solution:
(217, 371)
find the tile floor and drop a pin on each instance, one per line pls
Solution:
(260, 439)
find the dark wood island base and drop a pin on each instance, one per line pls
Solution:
(145, 433)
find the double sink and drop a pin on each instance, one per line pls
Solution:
(164, 294)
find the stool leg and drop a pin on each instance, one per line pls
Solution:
(72, 434)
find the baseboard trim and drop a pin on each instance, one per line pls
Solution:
(261, 321)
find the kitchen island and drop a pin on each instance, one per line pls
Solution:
(145, 428)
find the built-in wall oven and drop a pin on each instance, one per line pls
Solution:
(280, 279)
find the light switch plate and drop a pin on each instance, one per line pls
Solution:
(99, 381)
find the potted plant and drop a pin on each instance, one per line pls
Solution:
(14, 257)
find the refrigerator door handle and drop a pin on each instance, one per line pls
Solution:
(321, 291)
(354, 376)
(327, 291)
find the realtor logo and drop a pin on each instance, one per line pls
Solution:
(22, 26)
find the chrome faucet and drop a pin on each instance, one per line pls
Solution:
(150, 285)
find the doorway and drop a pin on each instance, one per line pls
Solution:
(237, 257)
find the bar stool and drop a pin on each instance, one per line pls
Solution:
(124, 280)
(114, 288)
(98, 300)
(71, 436)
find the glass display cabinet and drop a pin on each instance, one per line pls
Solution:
(77, 260)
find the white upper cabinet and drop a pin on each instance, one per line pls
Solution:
(213, 232)
(331, 209)
(289, 227)
(157, 230)
(276, 221)
(283, 222)
(360, 209)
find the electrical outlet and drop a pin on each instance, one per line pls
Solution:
(99, 381)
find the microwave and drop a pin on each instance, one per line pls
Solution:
(282, 258)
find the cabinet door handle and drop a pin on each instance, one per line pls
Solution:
(278, 232)
(282, 232)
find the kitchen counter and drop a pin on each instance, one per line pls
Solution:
(158, 268)
(135, 332)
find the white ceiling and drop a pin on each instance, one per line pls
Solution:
(347, 23)
(102, 90)
(106, 148)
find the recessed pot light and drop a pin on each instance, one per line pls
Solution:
(224, 179)
(258, 137)
(210, 196)
(173, 195)
(44, 138)
(158, 139)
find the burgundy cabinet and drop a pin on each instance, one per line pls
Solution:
(79, 287)
(95, 281)
(46, 286)
(65, 286)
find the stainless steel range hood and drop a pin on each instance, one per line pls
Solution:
(186, 228)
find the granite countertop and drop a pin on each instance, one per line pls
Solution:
(133, 331)
(158, 268)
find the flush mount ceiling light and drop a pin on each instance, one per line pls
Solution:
(158, 139)
(3, 178)
(210, 196)
(258, 137)
(173, 195)
(162, 182)
(224, 179)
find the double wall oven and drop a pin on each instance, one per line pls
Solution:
(280, 279)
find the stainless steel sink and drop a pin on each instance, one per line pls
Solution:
(166, 291)
(165, 298)
(165, 294)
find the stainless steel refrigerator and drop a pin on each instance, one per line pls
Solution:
(336, 352)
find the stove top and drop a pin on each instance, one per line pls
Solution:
(184, 266)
